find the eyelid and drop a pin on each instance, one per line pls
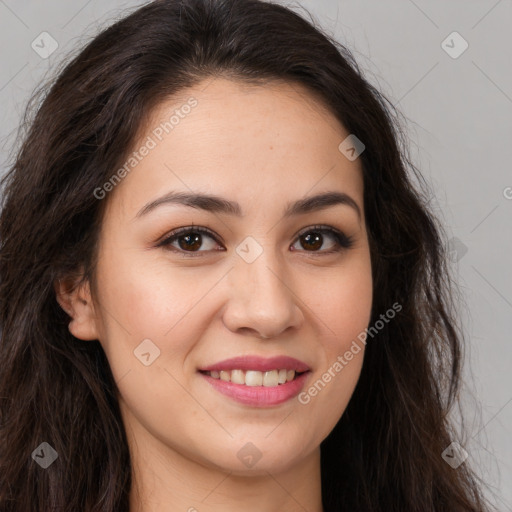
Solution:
(187, 229)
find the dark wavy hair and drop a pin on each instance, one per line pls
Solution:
(384, 454)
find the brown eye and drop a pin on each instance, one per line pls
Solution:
(313, 239)
(189, 240)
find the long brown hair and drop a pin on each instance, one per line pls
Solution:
(385, 452)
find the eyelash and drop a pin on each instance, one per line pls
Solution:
(343, 242)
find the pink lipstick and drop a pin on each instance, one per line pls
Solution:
(258, 381)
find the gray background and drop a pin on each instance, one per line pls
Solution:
(459, 122)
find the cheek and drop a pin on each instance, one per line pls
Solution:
(146, 295)
(152, 320)
(342, 308)
(342, 300)
(144, 298)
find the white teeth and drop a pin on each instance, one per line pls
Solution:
(237, 377)
(269, 379)
(253, 378)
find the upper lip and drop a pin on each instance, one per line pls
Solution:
(258, 363)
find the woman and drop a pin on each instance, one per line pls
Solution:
(219, 287)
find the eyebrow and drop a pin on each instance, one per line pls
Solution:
(216, 204)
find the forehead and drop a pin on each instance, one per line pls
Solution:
(251, 143)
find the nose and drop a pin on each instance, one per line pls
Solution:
(263, 300)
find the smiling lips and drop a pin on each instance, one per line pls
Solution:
(258, 381)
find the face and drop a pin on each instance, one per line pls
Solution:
(256, 280)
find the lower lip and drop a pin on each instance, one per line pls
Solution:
(259, 396)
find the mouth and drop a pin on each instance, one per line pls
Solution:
(257, 381)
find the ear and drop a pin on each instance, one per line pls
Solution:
(76, 300)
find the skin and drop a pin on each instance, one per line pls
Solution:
(262, 146)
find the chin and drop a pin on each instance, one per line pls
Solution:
(258, 458)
